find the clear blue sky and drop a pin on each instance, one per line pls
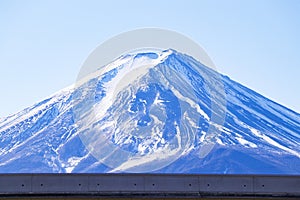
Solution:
(44, 43)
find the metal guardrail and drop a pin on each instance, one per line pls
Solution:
(149, 185)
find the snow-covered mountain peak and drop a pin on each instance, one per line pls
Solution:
(153, 111)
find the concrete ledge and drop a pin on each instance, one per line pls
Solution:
(149, 185)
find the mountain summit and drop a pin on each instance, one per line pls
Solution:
(153, 112)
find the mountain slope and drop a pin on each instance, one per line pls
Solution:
(153, 112)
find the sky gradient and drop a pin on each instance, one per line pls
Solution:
(44, 43)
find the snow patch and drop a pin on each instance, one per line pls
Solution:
(246, 142)
(272, 142)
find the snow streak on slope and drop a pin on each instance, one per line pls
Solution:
(152, 112)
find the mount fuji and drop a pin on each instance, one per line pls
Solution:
(153, 112)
